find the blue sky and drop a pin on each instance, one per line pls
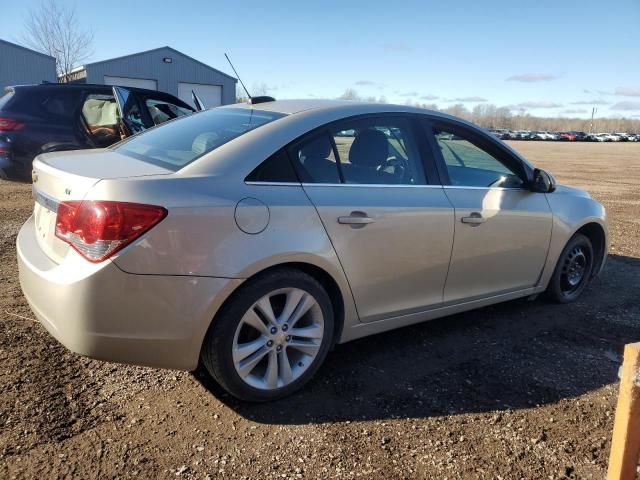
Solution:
(546, 57)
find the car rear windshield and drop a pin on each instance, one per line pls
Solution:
(177, 143)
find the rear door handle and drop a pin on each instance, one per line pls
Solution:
(474, 219)
(356, 218)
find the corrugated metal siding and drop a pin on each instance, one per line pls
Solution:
(150, 65)
(19, 65)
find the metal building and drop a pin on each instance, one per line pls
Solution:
(20, 66)
(163, 69)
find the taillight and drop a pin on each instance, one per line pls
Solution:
(97, 229)
(9, 124)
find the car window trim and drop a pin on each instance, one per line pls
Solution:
(494, 149)
(368, 185)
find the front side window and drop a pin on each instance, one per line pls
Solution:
(176, 144)
(100, 113)
(471, 165)
(379, 151)
(161, 111)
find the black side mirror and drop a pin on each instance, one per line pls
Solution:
(543, 182)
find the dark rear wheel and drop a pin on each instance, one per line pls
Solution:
(271, 337)
(573, 270)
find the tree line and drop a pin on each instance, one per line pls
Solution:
(491, 116)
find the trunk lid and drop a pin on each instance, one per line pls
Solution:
(63, 176)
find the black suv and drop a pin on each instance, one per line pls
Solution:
(52, 117)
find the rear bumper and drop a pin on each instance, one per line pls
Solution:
(99, 311)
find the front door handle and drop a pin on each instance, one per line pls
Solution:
(356, 218)
(474, 219)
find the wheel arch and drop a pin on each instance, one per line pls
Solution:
(328, 282)
(598, 237)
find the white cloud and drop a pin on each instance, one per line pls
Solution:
(540, 104)
(397, 47)
(429, 97)
(364, 83)
(469, 99)
(628, 92)
(626, 106)
(597, 101)
(532, 77)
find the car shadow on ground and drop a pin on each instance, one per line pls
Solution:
(514, 355)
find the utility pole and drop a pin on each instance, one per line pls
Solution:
(593, 112)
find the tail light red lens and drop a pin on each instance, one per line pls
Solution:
(98, 229)
(9, 124)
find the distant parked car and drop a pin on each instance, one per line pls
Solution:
(52, 117)
(553, 136)
(580, 136)
(600, 137)
(539, 135)
(523, 134)
(567, 136)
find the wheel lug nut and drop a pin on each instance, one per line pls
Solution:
(285, 327)
(288, 338)
(278, 348)
(270, 343)
(273, 330)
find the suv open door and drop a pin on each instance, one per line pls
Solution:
(130, 115)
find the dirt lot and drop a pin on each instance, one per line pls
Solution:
(519, 390)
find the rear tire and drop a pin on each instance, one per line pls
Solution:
(573, 270)
(260, 318)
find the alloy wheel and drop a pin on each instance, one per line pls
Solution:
(278, 338)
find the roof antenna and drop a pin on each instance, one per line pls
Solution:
(252, 100)
(234, 71)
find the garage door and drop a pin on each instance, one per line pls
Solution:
(211, 95)
(131, 82)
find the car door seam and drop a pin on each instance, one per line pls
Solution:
(453, 240)
(355, 306)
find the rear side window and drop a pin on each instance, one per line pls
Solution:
(178, 143)
(59, 104)
(276, 168)
(52, 103)
(315, 160)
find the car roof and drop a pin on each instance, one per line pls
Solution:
(349, 107)
(75, 86)
(300, 117)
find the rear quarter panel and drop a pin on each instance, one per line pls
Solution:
(200, 236)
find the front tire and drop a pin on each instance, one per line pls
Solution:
(271, 337)
(573, 270)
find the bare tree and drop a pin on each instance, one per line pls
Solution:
(53, 29)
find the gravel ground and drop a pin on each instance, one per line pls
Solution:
(519, 390)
